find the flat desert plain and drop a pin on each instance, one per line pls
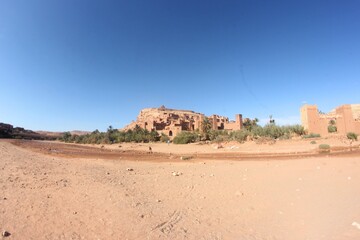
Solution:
(286, 190)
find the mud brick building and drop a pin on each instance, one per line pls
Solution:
(173, 121)
(346, 118)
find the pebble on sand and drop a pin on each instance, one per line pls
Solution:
(176, 173)
(5, 233)
(357, 225)
(129, 169)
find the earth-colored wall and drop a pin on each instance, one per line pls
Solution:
(173, 121)
(344, 116)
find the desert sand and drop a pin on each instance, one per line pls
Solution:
(284, 191)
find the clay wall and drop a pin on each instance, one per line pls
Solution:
(223, 123)
(347, 122)
(171, 121)
(314, 122)
(234, 125)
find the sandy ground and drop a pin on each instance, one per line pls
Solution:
(57, 193)
(279, 146)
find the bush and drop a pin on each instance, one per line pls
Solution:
(312, 135)
(332, 129)
(324, 147)
(297, 129)
(239, 135)
(257, 131)
(313, 142)
(164, 137)
(277, 132)
(273, 131)
(352, 136)
(218, 135)
(66, 137)
(221, 138)
(185, 138)
(186, 157)
(138, 134)
(285, 136)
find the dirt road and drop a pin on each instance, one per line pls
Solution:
(49, 196)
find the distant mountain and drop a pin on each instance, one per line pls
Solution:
(78, 132)
(9, 131)
(59, 134)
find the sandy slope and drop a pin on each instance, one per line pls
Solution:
(48, 197)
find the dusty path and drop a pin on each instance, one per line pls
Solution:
(173, 153)
(51, 197)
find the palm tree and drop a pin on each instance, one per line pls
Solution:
(250, 124)
(137, 129)
(206, 126)
(272, 121)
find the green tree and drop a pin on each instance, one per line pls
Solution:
(66, 137)
(271, 121)
(250, 124)
(185, 137)
(154, 136)
(206, 126)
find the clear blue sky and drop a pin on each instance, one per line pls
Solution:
(81, 64)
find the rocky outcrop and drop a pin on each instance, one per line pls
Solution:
(8, 131)
(5, 130)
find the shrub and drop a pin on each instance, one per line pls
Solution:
(297, 129)
(221, 138)
(313, 142)
(257, 131)
(66, 137)
(239, 135)
(185, 137)
(138, 134)
(352, 136)
(164, 137)
(312, 135)
(332, 128)
(218, 135)
(324, 147)
(285, 136)
(186, 158)
(277, 132)
(273, 131)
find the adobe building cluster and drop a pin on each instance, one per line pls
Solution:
(173, 121)
(346, 118)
